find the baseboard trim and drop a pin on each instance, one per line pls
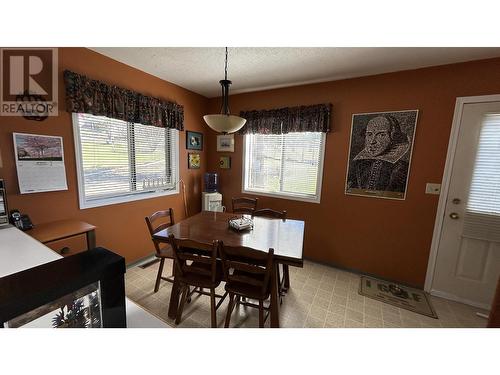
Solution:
(453, 297)
(147, 258)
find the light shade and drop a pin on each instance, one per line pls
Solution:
(224, 123)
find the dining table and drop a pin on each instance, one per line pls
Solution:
(285, 236)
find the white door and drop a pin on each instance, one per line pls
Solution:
(468, 257)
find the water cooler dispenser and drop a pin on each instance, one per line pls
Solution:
(211, 199)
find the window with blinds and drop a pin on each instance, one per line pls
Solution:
(285, 165)
(119, 161)
(482, 218)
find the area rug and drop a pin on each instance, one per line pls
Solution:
(397, 295)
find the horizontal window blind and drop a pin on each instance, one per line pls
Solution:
(287, 164)
(482, 218)
(119, 158)
(153, 146)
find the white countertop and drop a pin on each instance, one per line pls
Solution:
(19, 251)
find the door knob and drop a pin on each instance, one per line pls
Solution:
(454, 216)
(456, 201)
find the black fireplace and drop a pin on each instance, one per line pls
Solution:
(86, 290)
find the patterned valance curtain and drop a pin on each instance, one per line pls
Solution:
(85, 95)
(313, 118)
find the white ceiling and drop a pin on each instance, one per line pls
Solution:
(253, 69)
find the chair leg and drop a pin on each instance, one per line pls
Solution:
(281, 287)
(213, 312)
(171, 278)
(185, 292)
(261, 314)
(221, 299)
(229, 310)
(286, 277)
(158, 277)
(279, 276)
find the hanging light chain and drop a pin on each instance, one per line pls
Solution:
(225, 123)
(225, 72)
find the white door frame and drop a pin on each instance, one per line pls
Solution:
(445, 184)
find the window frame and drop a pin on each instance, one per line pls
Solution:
(282, 195)
(124, 198)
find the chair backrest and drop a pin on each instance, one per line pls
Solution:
(268, 212)
(158, 221)
(198, 254)
(244, 205)
(245, 265)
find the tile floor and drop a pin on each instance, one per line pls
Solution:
(320, 297)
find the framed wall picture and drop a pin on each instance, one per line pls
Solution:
(225, 143)
(194, 161)
(380, 154)
(225, 162)
(194, 140)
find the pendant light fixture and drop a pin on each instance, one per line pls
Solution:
(225, 122)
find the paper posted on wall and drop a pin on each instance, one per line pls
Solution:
(40, 163)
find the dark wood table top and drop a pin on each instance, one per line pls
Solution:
(285, 237)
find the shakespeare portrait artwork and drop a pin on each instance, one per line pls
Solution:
(380, 153)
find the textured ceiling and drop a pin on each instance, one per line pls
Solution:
(253, 69)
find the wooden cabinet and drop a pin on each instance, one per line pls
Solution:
(69, 246)
(66, 237)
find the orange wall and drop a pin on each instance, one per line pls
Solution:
(120, 227)
(387, 238)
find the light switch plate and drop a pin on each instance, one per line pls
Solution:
(432, 188)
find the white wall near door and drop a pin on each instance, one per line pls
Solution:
(464, 263)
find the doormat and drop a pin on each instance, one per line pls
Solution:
(150, 263)
(404, 297)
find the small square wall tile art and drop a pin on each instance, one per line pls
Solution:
(225, 162)
(194, 161)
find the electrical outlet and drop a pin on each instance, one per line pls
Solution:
(432, 188)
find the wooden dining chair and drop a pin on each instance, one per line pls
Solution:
(248, 275)
(158, 221)
(268, 212)
(197, 266)
(244, 205)
(284, 283)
